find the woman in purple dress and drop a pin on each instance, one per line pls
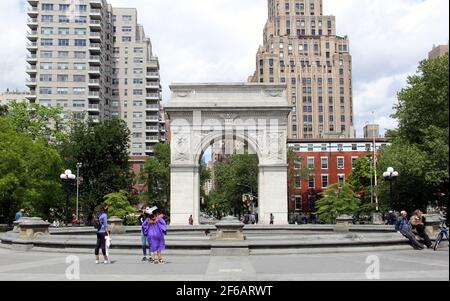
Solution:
(155, 228)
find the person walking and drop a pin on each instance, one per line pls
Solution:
(191, 220)
(404, 227)
(142, 218)
(101, 223)
(271, 218)
(418, 223)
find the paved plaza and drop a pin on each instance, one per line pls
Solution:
(403, 264)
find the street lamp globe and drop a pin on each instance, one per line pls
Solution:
(390, 170)
(395, 174)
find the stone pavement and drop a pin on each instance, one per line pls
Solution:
(404, 264)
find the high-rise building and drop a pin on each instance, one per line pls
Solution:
(95, 61)
(438, 51)
(372, 131)
(302, 50)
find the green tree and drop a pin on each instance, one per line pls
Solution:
(233, 179)
(119, 204)
(156, 173)
(410, 189)
(423, 133)
(29, 174)
(102, 148)
(40, 122)
(360, 180)
(336, 201)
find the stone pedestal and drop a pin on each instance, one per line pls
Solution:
(230, 228)
(116, 225)
(433, 223)
(16, 224)
(32, 228)
(343, 223)
(377, 218)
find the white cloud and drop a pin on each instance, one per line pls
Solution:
(217, 40)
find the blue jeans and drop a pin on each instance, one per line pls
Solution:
(144, 243)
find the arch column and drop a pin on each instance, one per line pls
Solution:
(185, 190)
(273, 194)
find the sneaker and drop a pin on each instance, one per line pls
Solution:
(106, 262)
(151, 260)
(96, 262)
(144, 259)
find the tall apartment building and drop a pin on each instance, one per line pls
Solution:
(95, 61)
(301, 49)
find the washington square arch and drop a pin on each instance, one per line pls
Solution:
(255, 114)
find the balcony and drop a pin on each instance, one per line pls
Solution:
(32, 11)
(94, 70)
(33, 2)
(31, 69)
(152, 139)
(32, 35)
(94, 95)
(94, 107)
(32, 23)
(153, 96)
(31, 82)
(152, 85)
(95, 59)
(153, 75)
(95, 47)
(95, 24)
(94, 82)
(95, 13)
(151, 118)
(152, 129)
(96, 3)
(153, 63)
(152, 107)
(32, 46)
(32, 58)
(95, 36)
(149, 149)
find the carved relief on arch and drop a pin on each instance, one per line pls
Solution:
(181, 147)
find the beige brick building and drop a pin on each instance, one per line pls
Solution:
(8, 96)
(301, 49)
(95, 61)
(438, 51)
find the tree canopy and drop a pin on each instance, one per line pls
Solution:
(420, 145)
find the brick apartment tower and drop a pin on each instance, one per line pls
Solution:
(301, 49)
(95, 61)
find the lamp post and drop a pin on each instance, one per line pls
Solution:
(79, 165)
(67, 176)
(390, 174)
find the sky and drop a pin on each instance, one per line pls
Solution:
(217, 40)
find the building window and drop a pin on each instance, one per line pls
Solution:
(310, 162)
(298, 182)
(340, 162)
(354, 147)
(47, 7)
(325, 181)
(324, 161)
(80, 43)
(298, 203)
(46, 42)
(80, 31)
(354, 159)
(324, 147)
(340, 147)
(311, 182)
(64, 19)
(341, 180)
(127, 18)
(63, 42)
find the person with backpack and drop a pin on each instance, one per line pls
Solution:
(101, 224)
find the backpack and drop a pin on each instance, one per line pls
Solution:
(97, 224)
